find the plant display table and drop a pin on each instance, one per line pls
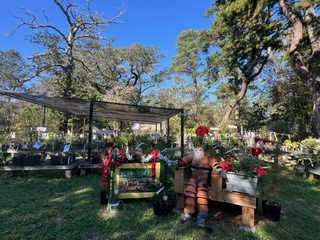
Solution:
(216, 192)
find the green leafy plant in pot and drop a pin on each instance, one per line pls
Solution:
(163, 200)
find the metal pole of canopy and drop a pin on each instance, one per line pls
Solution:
(90, 129)
(44, 116)
(182, 132)
(168, 130)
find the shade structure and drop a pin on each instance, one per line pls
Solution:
(100, 109)
(93, 109)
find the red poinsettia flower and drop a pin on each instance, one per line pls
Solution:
(202, 131)
(226, 166)
(256, 151)
(259, 171)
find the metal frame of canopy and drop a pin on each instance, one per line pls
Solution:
(98, 109)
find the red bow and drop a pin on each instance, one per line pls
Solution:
(154, 154)
(105, 169)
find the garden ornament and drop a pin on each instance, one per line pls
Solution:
(196, 192)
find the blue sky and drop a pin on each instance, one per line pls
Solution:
(146, 22)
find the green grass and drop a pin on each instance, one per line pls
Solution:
(51, 207)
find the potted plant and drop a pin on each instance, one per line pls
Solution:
(316, 148)
(289, 145)
(271, 207)
(309, 143)
(242, 174)
(163, 200)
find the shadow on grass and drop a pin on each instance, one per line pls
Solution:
(42, 207)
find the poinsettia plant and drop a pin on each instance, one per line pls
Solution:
(245, 164)
(201, 133)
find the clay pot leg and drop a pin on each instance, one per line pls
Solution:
(202, 196)
(190, 202)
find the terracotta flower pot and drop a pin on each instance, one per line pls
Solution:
(192, 184)
(203, 208)
(190, 201)
(202, 194)
(202, 189)
(190, 194)
(191, 188)
(202, 201)
(189, 209)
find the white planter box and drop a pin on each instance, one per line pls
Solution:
(240, 183)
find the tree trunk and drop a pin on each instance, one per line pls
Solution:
(306, 66)
(234, 102)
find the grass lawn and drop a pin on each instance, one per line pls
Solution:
(36, 206)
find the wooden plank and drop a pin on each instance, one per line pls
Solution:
(214, 192)
(180, 199)
(90, 166)
(136, 195)
(181, 177)
(178, 180)
(38, 168)
(248, 217)
(240, 199)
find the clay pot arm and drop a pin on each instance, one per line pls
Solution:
(187, 159)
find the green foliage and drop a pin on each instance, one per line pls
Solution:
(14, 71)
(245, 164)
(289, 143)
(123, 138)
(309, 143)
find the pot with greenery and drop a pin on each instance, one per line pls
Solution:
(163, 200)
(309, 144)
(242, 174)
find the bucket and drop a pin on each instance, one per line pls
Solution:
(114, 207)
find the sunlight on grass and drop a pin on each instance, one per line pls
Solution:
(84, 190)
(45, 208)
(59, 199)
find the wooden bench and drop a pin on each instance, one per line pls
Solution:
(315, 171)
(66, 168)
(217, 193)
(83, 167)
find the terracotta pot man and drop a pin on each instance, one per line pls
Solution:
(196, 192)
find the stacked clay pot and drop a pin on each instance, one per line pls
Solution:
(190, 194)
(202, 199)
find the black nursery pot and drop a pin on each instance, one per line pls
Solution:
(161, 208)
(271, 210)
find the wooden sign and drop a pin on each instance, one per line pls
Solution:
(132, 180)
